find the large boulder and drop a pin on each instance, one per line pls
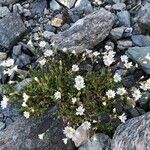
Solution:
(86, 32)
(140, 55)
(11, 30)
(133, 135)
(23, 134)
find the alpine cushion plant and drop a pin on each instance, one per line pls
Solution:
(85, 96)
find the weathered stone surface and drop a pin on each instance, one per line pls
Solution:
(4, 11)
(117, 33)
(7, 2)
(67, 3)
(138, 54)
(87, 32)
(144, 17)
(11, 29)
(23, 133)
(133, 135)
(99, 142)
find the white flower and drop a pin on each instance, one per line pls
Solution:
(121, 91)
(24, 104)
(124, 58)
(80, 110)
(64, 49)
(7, 63)
(69, 132)
(123, 118)
(96, 53)
(108, 57)
(42, 44)
(4, 102)
(147, 56)
(145, 85)
(74, 99)
(48, 53)
(86, 125)
(107, 47)
(128, 65)
(114, 110)
(110, 94)
(36, 79)
(75, 68)
(57, 95)
(65, 140)
(42, 62)
(25, 97)
(79, 82)
(117, 78)
(41, 136)
(136, 94)
(104, 103)
(26, 114)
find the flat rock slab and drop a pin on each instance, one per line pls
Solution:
(138, 55)
(133, 135)
(23, 133)
(86, 32)
(11, 30)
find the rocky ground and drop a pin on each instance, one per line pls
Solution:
(29, 27)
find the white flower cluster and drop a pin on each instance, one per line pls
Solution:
(25, 99)
(73, 134)
(4, 102)
(9, 67)
(124, 59)
(145, 85)
(108, 57)
(79, 83)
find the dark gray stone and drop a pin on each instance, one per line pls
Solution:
(117, 33)
(138, 54)
(38, 7)
(86, 32)
(134, 134)
(23, 133)
(11, 30)
(16, 51)
(7, 2)
(102, 142)
(2, 125)
(124, 44)
(141, 40)
(144, 17)
(23, 60)
(124, 18)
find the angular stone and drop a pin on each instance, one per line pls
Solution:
(4, 11)
(119, 6)
(117, 33)
(86, 32)
(23, 133)
(3, 56)
(11, 29)
(141, 40)
(133, 134)
(144, 17)
(99, 142)
(67, 3)
(138, 55)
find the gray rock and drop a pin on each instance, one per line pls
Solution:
(124, 18)
(87, 32)
(23, 60)
(19, 86)
(38, 7)
(102, 142)
(54, 5)
(124, 44)
(4, 11)
(118, 1)
(134, 134)
(84, 6)
(16, 51)
(67, 3)
(11, 30)
(2, 125)
(117, 33)
(7, 2)
(138, 54)
(144, 17)
(17, 8)
(141, 40)
(119, 6)
(23, 133)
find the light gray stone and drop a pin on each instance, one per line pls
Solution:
(3, 56)
(133, 134)
(117, 33)
(7, 2)
(54, 5)
(138, 55)
(4, 11)
(11, 30)
(86, 32)
(67, 3)
(119, 6)
(99, 142)
(2, 125)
